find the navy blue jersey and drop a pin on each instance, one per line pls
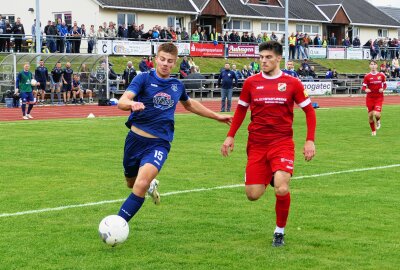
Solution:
(159, 97)
(76, 84)
(227, 77)
(67, 73)
(56, 74)
(291, 73)
(41, 74)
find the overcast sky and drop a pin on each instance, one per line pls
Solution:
(393, 3)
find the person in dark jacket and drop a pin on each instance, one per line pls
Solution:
(143, 65)
(19, 33)
(184, 68)
(129, 74)
(225, 79)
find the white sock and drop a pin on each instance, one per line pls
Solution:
(279, 230)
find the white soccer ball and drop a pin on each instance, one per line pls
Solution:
(33, 82)
(113, 230)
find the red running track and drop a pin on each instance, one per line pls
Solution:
(82, 111)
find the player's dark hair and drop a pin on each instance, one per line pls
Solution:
(373, 61)
(168, 48)
(274, 46)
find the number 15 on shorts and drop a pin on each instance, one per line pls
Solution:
(158, 155)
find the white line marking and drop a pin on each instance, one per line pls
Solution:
(60, 208)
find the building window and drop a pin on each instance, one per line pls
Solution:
(246, 25)
(10, 18)
(356, 32)
(126, 18)
(383, 33)
(237, 25)
(272, 27)
(64, 16)
(307, 28)
(175, 22)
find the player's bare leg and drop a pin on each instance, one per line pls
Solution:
(90, 93)
(378, 119)
(152, 189)
(372, 123)
(65, 97)
(43, 94)
(140, 186)
(282, 205)
(254, 192)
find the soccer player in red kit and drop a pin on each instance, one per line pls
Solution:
(374, 84)
(271, 95)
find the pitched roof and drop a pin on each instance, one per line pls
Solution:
(329, 10)
(392, 12)
(360, 12)
(180, 6)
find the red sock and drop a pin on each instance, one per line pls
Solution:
(372, 125)
(282, 209)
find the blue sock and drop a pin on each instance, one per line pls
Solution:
(23, 107)
(130, 207)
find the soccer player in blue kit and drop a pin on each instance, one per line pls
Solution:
(152, 98)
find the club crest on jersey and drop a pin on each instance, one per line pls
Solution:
(379, 77)
(163, 101)
(282, 87)
(174, 87)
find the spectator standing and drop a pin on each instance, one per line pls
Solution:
(317, 41)
(332, 40)
(129, 74)
(91, 38)
(2, 33)
(185, 34)
(19, 33)
(76, 38)
(356, 42)
(100, 33)
(42, 78)
(195, 36)
(8, 33)
(274, 37)
(63, 33)
(292, 46)
(225, 79)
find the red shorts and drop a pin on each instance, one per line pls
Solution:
(264, 161)
(374, 104)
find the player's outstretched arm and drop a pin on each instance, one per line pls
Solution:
(309, 146)
(126, 103)
(196, 107)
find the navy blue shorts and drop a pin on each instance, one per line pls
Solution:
(140, 150)
(42, 85)
(66, 87)
(26, 97)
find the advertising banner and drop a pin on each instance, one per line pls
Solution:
(235, 50)
(183, 48)
(104, 47)
(317, 52)
(318, 88)
(354, 53)
(125, 47)
(336, 53)
(206, 49)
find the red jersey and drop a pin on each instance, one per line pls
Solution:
(374, 82)
(271, 101)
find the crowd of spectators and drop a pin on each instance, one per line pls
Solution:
(61, 37)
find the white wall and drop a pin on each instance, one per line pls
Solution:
(367, 33)
(83, 11)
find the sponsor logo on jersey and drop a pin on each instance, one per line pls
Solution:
(379, 77)
(282, 87)
(174, 87)
(154, 85)
(260, 87)
(163, 101)
(283, 160)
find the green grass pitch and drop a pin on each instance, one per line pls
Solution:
(339, 221)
